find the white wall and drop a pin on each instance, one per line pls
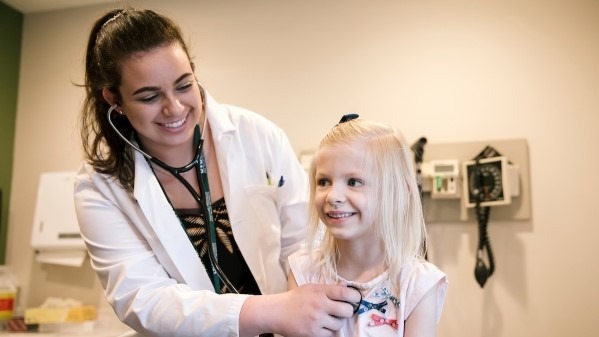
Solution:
(452, 71)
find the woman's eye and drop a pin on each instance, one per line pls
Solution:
(185, 86)
(354, 182)
(148, 99)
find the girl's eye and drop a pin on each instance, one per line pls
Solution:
(322, 182)
(353, 182)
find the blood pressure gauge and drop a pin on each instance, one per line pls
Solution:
(490, 180)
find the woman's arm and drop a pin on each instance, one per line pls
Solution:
(133, 271)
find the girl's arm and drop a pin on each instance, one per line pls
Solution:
(422, 322)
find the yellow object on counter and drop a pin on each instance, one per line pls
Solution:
(60, 315)
(7, 299)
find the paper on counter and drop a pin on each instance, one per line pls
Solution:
(72, 258)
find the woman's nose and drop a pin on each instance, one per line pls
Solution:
(172, 106)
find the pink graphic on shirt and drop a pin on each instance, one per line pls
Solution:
(379, 320)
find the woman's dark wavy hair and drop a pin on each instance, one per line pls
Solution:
(117, 35)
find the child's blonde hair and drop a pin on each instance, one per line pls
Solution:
(388, 163)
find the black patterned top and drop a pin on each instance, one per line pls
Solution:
(230, 259)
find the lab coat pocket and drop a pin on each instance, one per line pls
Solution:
(263, 203)
(262, 228)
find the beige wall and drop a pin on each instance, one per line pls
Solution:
(452, 71)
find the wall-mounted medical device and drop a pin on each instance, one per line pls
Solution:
(499, 181)
(469, 185)
(55, 234)
(485, 182)
(447, 180)
(441, 178)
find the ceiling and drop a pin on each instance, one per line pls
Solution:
(31, 6)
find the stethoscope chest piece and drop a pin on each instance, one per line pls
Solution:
(356, 305)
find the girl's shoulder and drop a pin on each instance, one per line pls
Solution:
(304, 267)
(416, 271)
(417, 278)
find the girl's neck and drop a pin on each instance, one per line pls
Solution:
(360, 263)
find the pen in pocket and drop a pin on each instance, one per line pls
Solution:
(268, 181)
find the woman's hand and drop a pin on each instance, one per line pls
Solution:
(311, 310)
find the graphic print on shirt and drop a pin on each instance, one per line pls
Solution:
(382, 317)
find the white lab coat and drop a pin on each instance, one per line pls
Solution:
(151, 273)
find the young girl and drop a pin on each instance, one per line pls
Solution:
(364, 191)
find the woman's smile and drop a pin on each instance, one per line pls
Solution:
(174, 124)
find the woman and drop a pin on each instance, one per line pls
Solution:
(176, 186)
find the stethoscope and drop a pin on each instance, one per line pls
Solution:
(198, 162)
(356, 305)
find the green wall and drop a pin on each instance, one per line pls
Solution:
(11, 27)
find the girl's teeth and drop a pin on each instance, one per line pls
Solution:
(340, 215)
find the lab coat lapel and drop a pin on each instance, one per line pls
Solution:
(163, 230)
(231, 157)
